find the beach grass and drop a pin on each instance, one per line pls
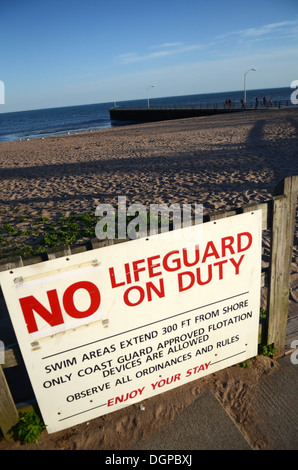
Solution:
(25, 237)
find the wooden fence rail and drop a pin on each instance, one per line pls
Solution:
(278, 215)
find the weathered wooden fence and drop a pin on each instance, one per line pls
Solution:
(278, 216)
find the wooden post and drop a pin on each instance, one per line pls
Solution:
(11, 263)
(8, 412)
(264, 207)
(58, 252)
(283, 222)
(218, 214)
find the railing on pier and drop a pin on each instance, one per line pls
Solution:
(251, 104)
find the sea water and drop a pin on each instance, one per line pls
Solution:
(66, 120)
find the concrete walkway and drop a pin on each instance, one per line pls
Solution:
(276, 405)
(206, 425)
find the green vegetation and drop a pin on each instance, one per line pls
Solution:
(263, 314)
(267, 350)
(245, 364)
(29, 427)
(27, 238)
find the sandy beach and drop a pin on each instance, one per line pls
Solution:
(221, 162)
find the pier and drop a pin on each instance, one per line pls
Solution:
(164, 114)
(151, 114)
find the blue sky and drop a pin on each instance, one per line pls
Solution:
(62, 53)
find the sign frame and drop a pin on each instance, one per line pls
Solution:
(111, 327)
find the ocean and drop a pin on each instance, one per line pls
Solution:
(55, 121)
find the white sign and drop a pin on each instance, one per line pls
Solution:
(110, 327)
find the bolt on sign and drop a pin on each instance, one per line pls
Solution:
(111, 327)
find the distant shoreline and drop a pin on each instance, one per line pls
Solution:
(61, 120)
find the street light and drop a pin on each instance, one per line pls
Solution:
(151, 86)
(245, 84)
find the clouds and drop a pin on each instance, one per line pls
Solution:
(167, 44)
(282, 29)
(217, 45)
(159, 52)
(182, 47)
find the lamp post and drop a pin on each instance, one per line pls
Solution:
(245, 84)
(151, 86)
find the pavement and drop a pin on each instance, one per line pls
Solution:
(206, 425)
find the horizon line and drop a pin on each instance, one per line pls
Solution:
(140, 99)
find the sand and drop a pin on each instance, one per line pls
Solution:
(221, 162)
